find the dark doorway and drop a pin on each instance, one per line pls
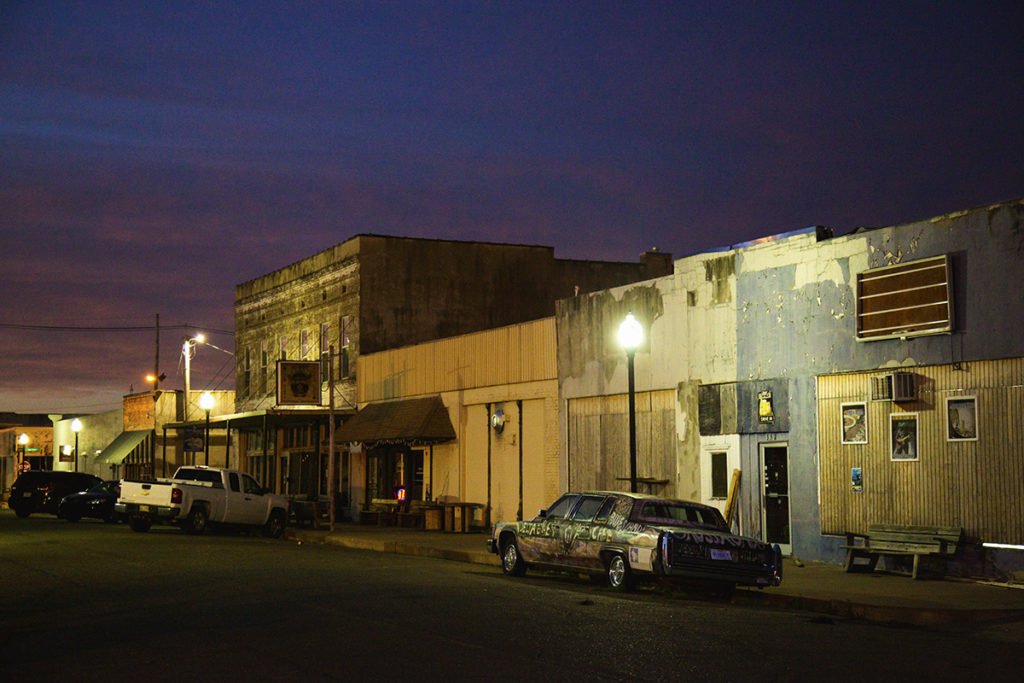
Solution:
(775, 463)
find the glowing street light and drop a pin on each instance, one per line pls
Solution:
(206, 403)
(76, 426)
(23, 441)
(631, 335)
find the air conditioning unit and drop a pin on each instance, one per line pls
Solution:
(881, 388)
(898, 387)
(904, 387)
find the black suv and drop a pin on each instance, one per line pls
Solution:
(42, 490)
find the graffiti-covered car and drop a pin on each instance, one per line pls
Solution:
(628, 537)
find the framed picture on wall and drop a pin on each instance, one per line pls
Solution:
(961, 418)
(855, 423)
(903, 436)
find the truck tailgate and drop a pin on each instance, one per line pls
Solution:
(145, 493)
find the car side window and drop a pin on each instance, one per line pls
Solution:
(233, 481)
(587, 508)
(250, 486)
(560, 508)
(606, 509)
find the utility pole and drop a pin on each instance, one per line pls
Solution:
(156, 358)
(187, 352)
(330, 435)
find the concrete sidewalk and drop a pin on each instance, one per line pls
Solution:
(810, 586)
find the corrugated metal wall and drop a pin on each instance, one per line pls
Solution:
(507, 355)
(978, 485)
(599, 441)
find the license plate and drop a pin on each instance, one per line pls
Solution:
(27, 494)
(144, 508)
(717, 554)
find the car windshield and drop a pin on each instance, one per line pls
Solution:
(669, 513)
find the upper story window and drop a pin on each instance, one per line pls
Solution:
(906, 300)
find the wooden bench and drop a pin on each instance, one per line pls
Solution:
(930, 546)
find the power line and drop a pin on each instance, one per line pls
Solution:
(108, 328)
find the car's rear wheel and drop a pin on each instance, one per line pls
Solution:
(140, 523)
(195, 523)
(22, 512)
(274, 527)
(511, 561)
(617, 573)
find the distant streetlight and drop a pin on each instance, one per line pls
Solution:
(23, 441)
(631, 335)
(206, 403)
(76, 426)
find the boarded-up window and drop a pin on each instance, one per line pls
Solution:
(905, 300)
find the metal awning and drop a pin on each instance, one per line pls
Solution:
(254, 420)
(120, 447)
(414, 420)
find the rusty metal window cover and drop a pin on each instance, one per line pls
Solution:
(906, 300)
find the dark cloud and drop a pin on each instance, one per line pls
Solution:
(154, 155)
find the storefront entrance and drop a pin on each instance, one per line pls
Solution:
(391, 467)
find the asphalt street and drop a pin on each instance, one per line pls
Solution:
(96, 602)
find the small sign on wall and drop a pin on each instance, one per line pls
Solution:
(765, 409)
(857, 479)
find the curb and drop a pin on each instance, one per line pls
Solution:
(883, 614)
(398, 548)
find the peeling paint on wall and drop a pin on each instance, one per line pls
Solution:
(588, 326)
(718, 271)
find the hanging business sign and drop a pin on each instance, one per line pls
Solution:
(298, 383)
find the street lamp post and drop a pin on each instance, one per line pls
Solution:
(23, 442)
(206, 403)
(76, 426)
(631, 335)
(186, 351)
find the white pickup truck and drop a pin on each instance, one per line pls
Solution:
(198, 495)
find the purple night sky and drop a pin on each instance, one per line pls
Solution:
(155, 154)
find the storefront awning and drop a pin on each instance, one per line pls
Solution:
(120, 447)
(414, 420)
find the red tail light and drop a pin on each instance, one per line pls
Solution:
(175, 496)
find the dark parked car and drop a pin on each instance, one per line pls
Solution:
(42, 490)
(97, 502)
(627, 536)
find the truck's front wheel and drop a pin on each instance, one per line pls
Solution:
(195, 523)
(275, 525)
(140, 523)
